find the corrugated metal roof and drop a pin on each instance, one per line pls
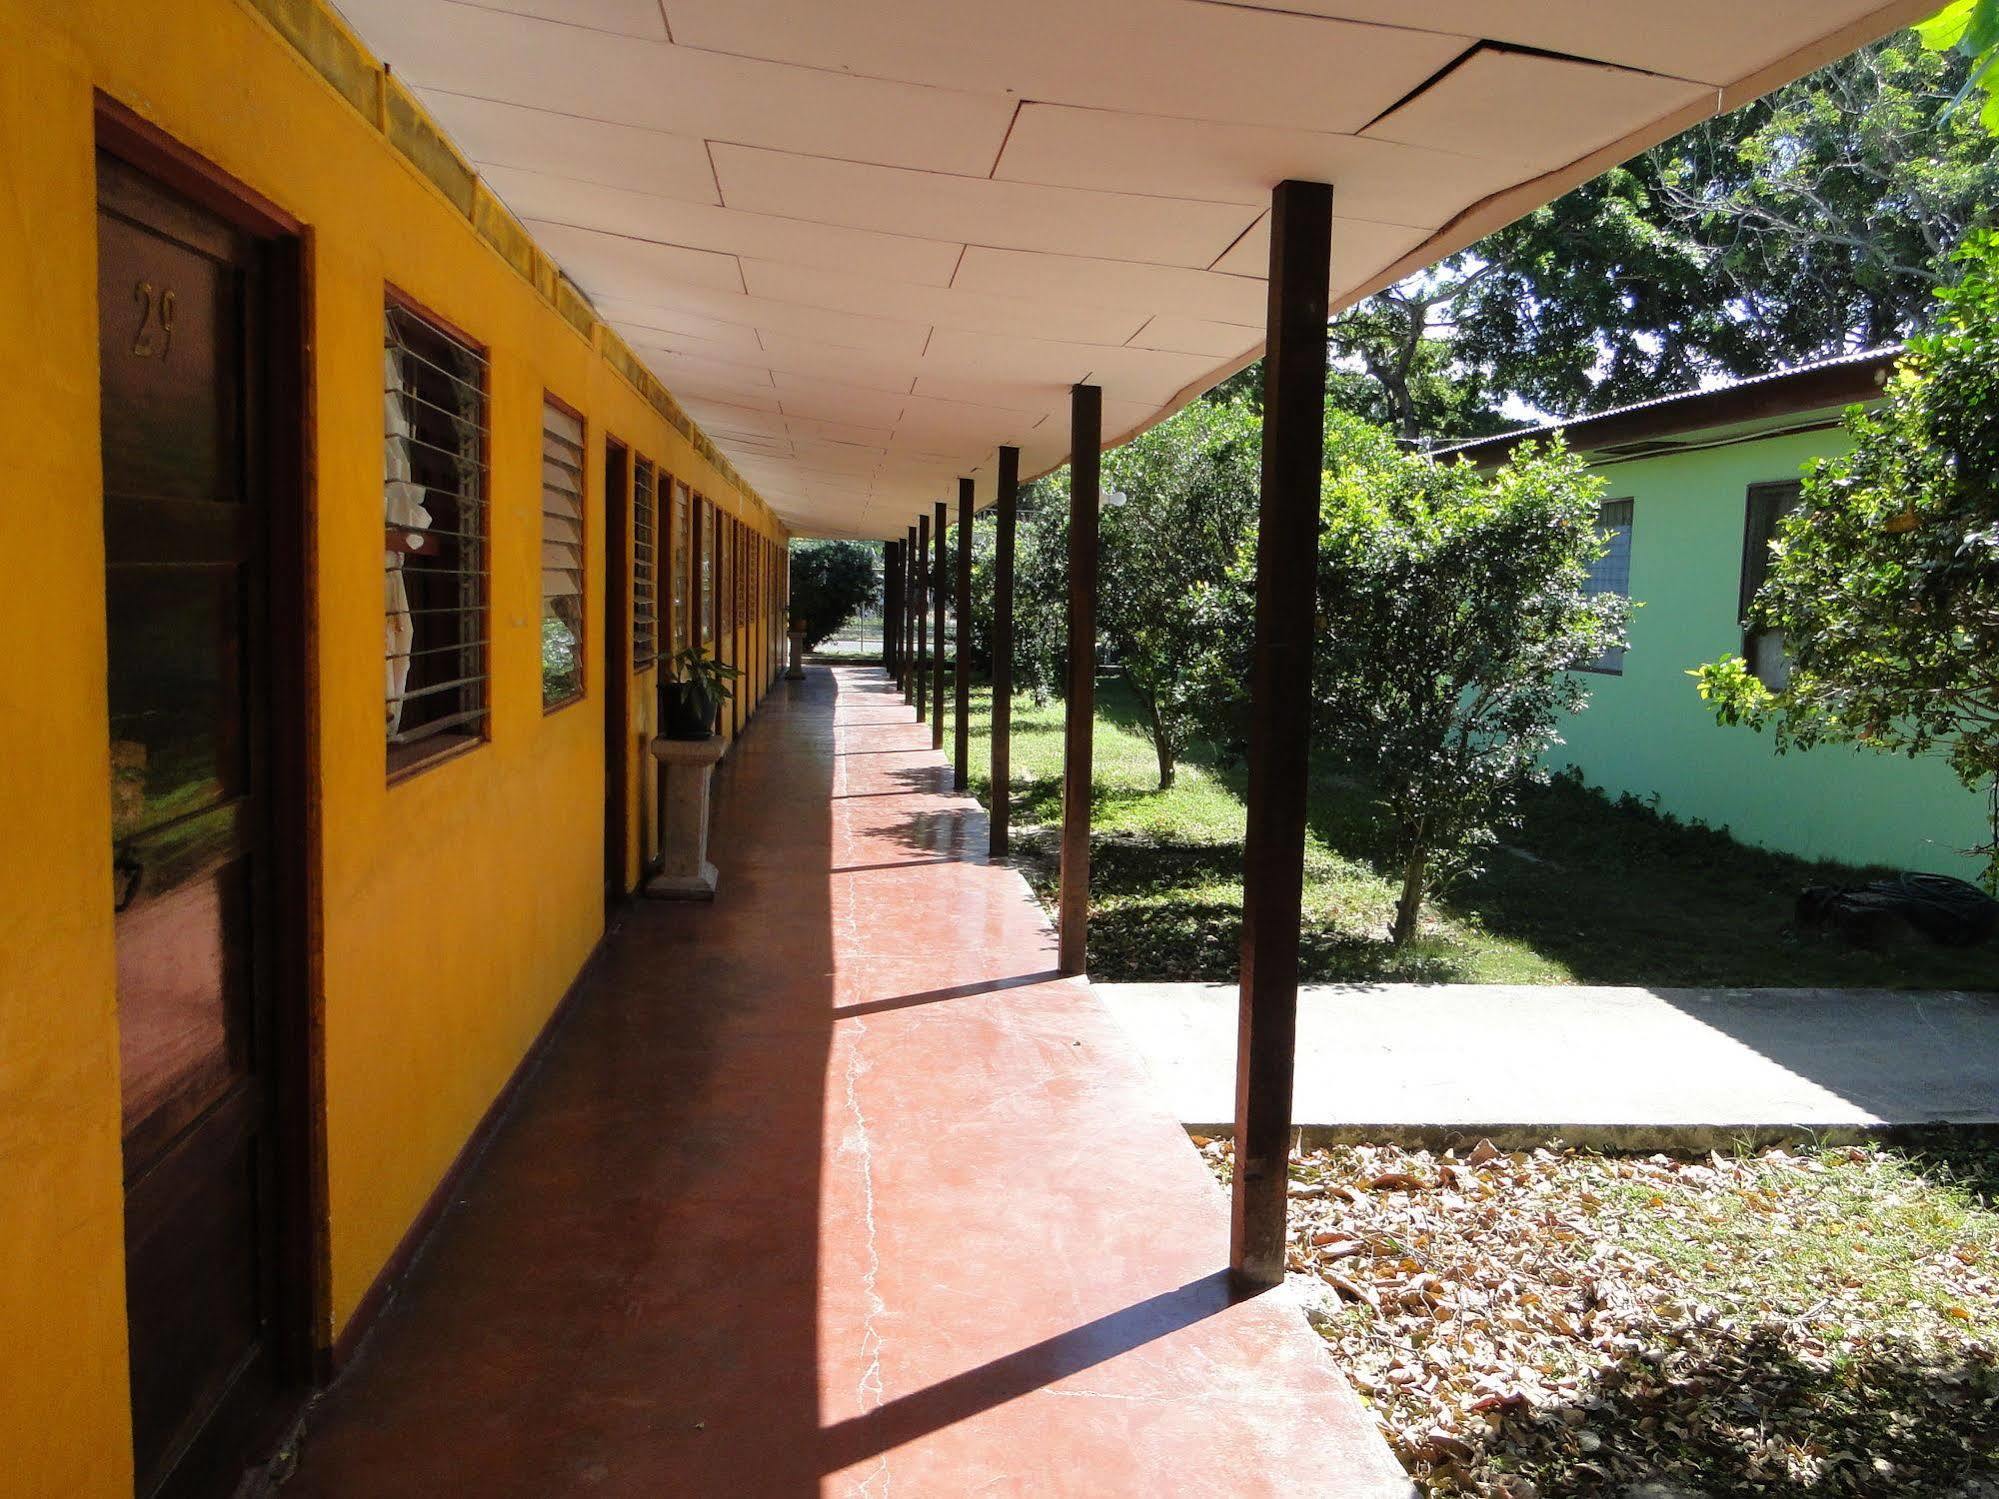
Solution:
(1700, 404)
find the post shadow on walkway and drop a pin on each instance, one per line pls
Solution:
(1032, 1368)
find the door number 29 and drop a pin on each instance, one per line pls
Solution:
(156, 321)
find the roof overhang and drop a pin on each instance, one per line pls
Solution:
(866, 242)
(1743, 408)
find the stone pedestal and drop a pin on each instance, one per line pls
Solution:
(797, 670)
(685, 765)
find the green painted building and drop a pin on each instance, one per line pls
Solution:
(1694, 484)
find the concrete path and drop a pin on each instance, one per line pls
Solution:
(835, 1188)
(1648, 1067)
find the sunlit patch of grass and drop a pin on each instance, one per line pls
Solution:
(1580, 892)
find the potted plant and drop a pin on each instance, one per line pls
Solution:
(694, 694)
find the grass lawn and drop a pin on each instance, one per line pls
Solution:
(1561, 1323)
(1582, 892)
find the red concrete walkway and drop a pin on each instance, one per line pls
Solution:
(834, 1188)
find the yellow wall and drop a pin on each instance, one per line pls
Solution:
(424, 1018)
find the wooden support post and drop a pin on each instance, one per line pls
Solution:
(910, 609)
(1003, 515)
(891, 605)
(1072, 905)
(940, 575)
(922, 617)
(1280, 726)
(961, 701)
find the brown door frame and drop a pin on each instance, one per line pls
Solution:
(295, 1233)
(617, 661)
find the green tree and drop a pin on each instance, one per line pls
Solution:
(1041, 587)
(1454, 610)
(1181, 498)
(831, 582)
(1969, 29)
(1885, 578)
(1829, 209)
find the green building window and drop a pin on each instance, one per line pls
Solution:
(1764, 649)
(1611, 573)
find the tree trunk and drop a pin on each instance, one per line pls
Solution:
(1410, 906)
(1162, 743)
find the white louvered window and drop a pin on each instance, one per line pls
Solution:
(561, 555)
(435, 498)
(645, 567)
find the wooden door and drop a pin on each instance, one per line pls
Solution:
(183, 320)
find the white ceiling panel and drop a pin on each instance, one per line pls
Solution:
(830, 401)
(568, 145)
(1029, 396)
(969, 311)
(1186, 335)
(622, 313)
(700, 376)
(535, 197)
(996, 356)
(717, 417)
(1530, 111)
(1709, 40)
(1360, 248)
(720, 340)
(961, 418)
(489, 54)
(1112, 283)
(629, 268)
(1146, 375)
(1120, 419)
(867, 241)
(808, 356)
(831, 459)
(1288, 69)
(806, 428)
(720, 393)
(977, 210)
(765, 315)
(1382, 180)
(641, 18)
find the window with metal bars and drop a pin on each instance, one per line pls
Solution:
(681, 555)
(704, 516)
(561, 554)
(645, 567)
(435, 495)
(1767, 506)
(1611, 573)
(726, 606)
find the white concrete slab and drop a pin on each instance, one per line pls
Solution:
(1585, 1058)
